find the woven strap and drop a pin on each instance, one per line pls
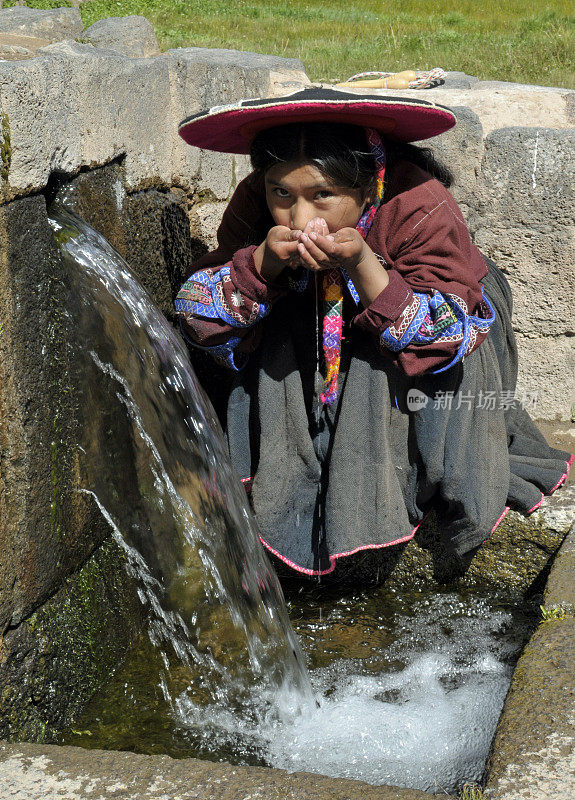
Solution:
(333, 283)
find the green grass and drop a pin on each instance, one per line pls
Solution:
(470, 791)
(552, 613)
(494, 40)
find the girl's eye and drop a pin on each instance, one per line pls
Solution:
(279, 192)
(323, 194)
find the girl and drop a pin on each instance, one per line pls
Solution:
(371, 344)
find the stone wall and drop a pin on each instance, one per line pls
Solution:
(513, 155)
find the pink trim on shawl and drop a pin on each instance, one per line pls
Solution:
(563, 478)
(503, 514)
(317, 572)
(407, 538)
(536, 506)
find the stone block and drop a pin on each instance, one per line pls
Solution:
(503, 105)
(523, 220)
(159, 245)
(510, 562)
(458, 80)
(538, 265)
(202, 78)
(232, 59)
(533, 756)
(547, 371)
(242, 168)
(133, 36)
(97, 196)
(215, 176)
(53, 24)
(51, 664)
(52, 442)
(46, 527)
(529, 176)
(461, 149)
(73, 773)
(105, 103)
(209, 216)
(14, 47)
(560, 589)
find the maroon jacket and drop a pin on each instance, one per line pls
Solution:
(419, 231)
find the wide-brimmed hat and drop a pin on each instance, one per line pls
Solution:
(231, 128)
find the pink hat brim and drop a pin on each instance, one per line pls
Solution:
(231, 128)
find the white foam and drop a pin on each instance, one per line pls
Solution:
(424, 737)
(427, 726)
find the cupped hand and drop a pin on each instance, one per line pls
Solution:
(320, 250)
(278, 251)
(316, 225)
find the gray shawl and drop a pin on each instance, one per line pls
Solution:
(363, 474)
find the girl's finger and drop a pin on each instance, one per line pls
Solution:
(316, 225)
(326, 244)
(310, 226)
(286, 248)
(307, 259)
(317, 253)
(291, 246)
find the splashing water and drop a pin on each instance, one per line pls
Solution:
(154, 465)
(419, 713)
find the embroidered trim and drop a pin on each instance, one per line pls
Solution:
(205, 294)
(439, 318)
(333, 281)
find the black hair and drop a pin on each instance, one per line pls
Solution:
(339, 151)
(422, 157)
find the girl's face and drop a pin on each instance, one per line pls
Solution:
(296, 193)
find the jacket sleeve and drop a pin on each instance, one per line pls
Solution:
(222, 302)
(433, 312)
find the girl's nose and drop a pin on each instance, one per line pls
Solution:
(300, 214)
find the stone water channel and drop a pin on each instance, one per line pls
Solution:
(409, 689)
(408, 684)
(73, 116)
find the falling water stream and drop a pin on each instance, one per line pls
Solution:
(155, 467)
(402, 689)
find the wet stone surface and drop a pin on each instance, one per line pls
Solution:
(150, 228)
(534, 751)
(28, 771)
